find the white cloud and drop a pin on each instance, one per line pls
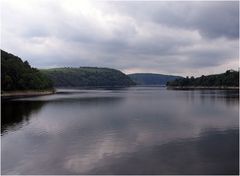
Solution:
(165, 37)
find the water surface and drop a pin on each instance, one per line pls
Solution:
(138, 130)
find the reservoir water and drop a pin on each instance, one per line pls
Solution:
(137, 130)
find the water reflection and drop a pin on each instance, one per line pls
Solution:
(127, 131)
(229, 97)
(214, 152)
(15, 114)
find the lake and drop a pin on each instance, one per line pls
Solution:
(136, 130)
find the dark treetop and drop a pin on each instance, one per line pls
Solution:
(18, 75)
(151, 78)
(87, 77)
(228, 79)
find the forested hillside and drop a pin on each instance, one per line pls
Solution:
(19, 75)
(151, 78)
(228, 79)
(87, 77)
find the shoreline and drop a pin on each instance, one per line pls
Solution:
(203, 87)
(23, 94)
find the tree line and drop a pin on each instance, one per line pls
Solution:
(87, 77)
(228, 79)
(19, 75)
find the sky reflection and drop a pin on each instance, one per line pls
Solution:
(133, 131)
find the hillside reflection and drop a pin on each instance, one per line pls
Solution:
(136, 131)
(229, 97)
(16, 113)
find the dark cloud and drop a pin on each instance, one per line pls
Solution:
(212, 19)
(166, 37)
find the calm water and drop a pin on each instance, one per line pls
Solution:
(139, 130)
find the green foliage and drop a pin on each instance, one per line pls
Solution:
(151, 79)
(229, 78)
(87, 77)
(19, 75)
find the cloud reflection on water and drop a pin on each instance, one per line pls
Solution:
(140, 130)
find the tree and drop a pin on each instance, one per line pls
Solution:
(229, 78)
(19, 75)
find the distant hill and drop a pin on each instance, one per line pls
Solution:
(151, 78)
(18, 75)
(87, 77)
(228, 79)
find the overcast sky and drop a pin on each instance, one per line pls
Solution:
(181, 38)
